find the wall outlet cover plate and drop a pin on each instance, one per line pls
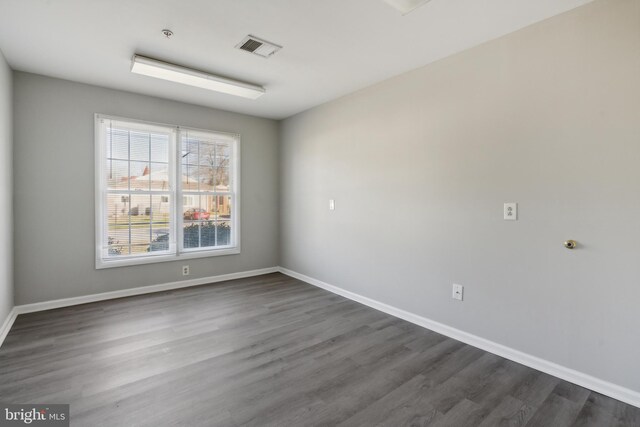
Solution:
(511, 211)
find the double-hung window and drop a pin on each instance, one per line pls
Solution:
(164, 192)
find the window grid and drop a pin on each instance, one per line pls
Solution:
(211, 161)
(147, 190)
(150, 202)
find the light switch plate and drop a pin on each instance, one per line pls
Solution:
(332, 205)
(511, 211)
(458, 292)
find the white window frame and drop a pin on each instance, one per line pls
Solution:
(175, 251)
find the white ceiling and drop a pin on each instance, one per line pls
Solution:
(331, 47)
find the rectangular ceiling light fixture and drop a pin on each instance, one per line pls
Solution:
(188, 76)
(406, 6)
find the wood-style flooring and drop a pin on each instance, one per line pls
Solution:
(274, 351)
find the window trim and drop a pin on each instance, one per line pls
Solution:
(179, 254)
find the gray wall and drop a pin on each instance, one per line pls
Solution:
(421, 164)
(54, 188)
(6, 205)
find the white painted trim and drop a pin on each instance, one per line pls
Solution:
(615, 391)
(8, 323)
(152, 259)
(175, 250)
(66, 302)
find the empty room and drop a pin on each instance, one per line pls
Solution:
(320, 213)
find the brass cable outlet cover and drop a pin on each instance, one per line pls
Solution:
(570, 244)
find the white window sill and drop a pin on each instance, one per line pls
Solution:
(124, 262)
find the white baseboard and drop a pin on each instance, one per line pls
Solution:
(604, 387)
(66, 302)
(8, 323)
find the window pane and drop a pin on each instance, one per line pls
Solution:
(160, 209)
(140, 207)
(189, 177)
(117, 144)
(192, 210)
(160, 242)
(132, 150)
(223, 207)
(117, 174)
(118, 209)
(207, 207)
(223, 164)
(141, 249)
(140, 239)
(117, 244)
(205, 163)
(214, 167)
(140, 213)
(139, 145)
(223, 155)
(160, 223)
(117, 224)
(206, 169)
(191, 232)
(222, 179)
(159, 148)
(211, 178)
(189, 151)
(206, 176)
(207, 154)
(215, 233)
(190, 201)
(139, 178)
(136, 223)
(208, 234)
(223, 233)
(159, 176)
(139, 169)
(209, 225)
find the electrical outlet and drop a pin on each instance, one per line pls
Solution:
(458, 292)
(185, 270)
(511, 211)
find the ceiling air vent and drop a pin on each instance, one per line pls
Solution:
(258, 46)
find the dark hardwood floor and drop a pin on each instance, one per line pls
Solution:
(274, 351)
